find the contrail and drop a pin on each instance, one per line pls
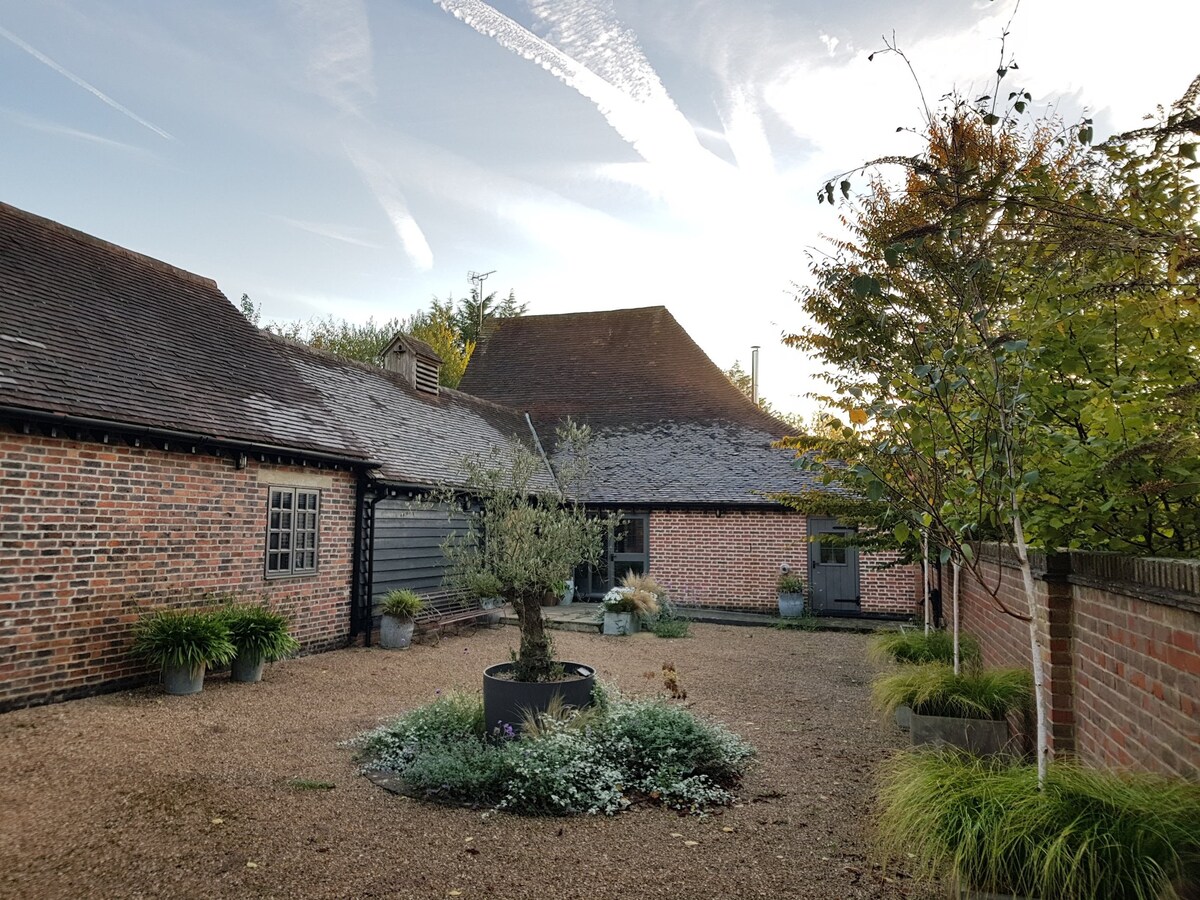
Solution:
(43, 58)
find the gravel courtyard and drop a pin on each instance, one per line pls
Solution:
(138, 794)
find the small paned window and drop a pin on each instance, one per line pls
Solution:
(292, 531)
(833, 555)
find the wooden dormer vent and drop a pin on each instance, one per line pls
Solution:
(414, 361)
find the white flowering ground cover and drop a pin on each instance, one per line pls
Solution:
(598, 760)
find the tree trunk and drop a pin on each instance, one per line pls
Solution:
(1035, 647)
(533, 660)
(925, 579)
(954, 606)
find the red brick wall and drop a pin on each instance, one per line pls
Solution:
(1137, 683)
(1123, 655)
(732, 560)
(92, 533)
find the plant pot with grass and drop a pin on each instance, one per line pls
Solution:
(914, 646)
(969, 711)
(791, 595)
(983, 825)
(625, 606)
(183, 644)
(487, 588)
(396, 625)
(260, 636)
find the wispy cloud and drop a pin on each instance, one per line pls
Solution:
(381, 179)
(57, 128)
(345, 234)
(336, 35)
(90, 88)
(634, 102)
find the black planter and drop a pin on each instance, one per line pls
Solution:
(505, 702)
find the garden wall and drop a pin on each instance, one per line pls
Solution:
(1123, 648)
(91, 534)
(730, 560)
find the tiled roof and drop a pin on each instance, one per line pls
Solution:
(90, 329)
(669, 426)
(420, 438)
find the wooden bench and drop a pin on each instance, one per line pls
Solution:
(444, 608)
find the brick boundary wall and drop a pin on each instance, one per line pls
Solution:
(1123, 653)
(92, 534)
(730, 560)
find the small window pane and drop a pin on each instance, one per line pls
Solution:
(631, 536)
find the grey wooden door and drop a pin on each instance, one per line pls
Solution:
(832, 569)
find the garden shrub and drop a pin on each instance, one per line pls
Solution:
(1088, 835)
(918, 647)
(596, 761)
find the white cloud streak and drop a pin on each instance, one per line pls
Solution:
(379, 177)
(344, 234)
(337, 40)
(90, 88)
(637, 106)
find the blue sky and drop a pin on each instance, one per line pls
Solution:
(355, 158)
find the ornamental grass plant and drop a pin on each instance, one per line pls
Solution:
(932, 689)
(185, 639)
(258, 633)
(1088, 835)
(914, 646)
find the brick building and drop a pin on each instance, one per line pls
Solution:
(156, 449)
(684, 456)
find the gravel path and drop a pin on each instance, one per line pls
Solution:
(141, 795)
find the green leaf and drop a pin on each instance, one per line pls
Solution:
(845, 186)
(967, 552)
(944, 555)
(902, 531)
(1015, 346)
(865, 286)
(1188, 151)
(991, 119)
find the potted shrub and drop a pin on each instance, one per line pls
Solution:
(526, 534)
(625, 606)
(487, 588)
(909, 646)
(396, 626)
(182, 644)
(969, 711)
(259, 636)
(984, 825)
(915, 646)
(791, 593)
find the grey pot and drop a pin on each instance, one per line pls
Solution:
(246, 669)
(182, 680)
(904, 717)
(506, 702)
(496, 604)
(984, 737)
(395, 634)
(620, 622)
(791, 605)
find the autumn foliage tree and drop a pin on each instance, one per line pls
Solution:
(1013, 323)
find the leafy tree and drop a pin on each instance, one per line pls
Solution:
(471, 314)
(525, 545)
(997, 323)
(741, 379)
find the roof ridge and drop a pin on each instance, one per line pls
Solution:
(107, 246)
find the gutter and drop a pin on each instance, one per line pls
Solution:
(166, 435)
(538, 443)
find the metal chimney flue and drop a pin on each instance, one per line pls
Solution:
(754, 374)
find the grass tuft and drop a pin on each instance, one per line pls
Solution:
(1088, 835)
(932, 689)
(917, 647)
